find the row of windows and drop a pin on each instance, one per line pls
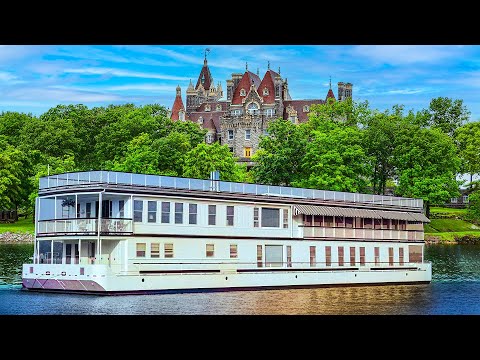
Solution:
(141, 250)
(217, 108)
(352, 257)
(270, 217)
(359, 223)
(254, 111)
(231, 135)
(274, 254)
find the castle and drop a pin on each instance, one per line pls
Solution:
(251, 103)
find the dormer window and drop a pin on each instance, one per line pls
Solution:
(243, 92)
(252, 108)
(306, 108)
(181, 116)
(207, 107)
(219, 107)
(200, 120)
(265, 92)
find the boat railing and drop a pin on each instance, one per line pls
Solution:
(122, 178)
(85, 226)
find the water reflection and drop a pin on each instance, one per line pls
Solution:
(454, 290)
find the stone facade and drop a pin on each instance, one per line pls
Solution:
(251, 103)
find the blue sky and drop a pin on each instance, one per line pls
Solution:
(34, 78)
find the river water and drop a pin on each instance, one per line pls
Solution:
(454, 290)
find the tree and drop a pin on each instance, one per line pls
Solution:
(279, 157)
(139, 157)
(11, 125)
(427, 165)
(204, 158)
(13, 173)
(447, 114)
(467, 138)
(474, 204)
(378, 142)
(335, 160)
(49, 165)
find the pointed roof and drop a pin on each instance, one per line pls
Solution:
(269, 83)
(206, 76)
(330, 95)
(245, 82)
(177, 105)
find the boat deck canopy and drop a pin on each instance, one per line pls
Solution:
(359, 213)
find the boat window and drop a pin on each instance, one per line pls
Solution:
(313, 256)
(401, 259)
(212, 214)
(340, 256)
(255, 217)
(285, 218)
(168, 248)
(362, 256)
(270, 217)
(377, 255)
(152, 211)
(178, 213)
(289, 256)
(155, 250)
(273, 255)
(165, 212)
(141, 249)
(210, 250)
(259, 256)
(230, 215)
(328, 255)
(192, 213)
(233, 251)
(137, 210)
(352, 256)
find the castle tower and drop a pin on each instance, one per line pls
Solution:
(348, 90)
(178, 110)
(341, 91)
(330, 94)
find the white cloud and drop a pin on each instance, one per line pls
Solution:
(146, 87)
(123, 73)
(407, 54)
(52, 94)
(6, 76)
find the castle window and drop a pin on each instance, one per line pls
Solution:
(209, 138)
(265, 92)
(252, 108)
(247, 152)
(236, 112)
(242, 92)
(219, 107)
(200, 120)
(181, 116)
(293, 119)
(207, 107)
(231, 149)
(230, 134)
(306, 108)
(269, 112)
(247, 134)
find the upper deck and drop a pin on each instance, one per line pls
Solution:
(78, 181)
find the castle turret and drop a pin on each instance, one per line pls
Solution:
(341, 91)
(178, 110)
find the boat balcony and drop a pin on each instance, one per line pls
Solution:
(84, 226)
(362, 234)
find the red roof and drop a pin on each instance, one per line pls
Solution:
(177, 106)
(205, 73)
(269, 83)
(247, 80)
(330, 95)
(211, 120)
(298, 106)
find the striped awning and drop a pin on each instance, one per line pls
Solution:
(335, 211)
(395, 215)
(419, 217)
(358, 213)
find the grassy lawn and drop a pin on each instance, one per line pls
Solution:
(447, 210)
(449, 225)
(449, 236)
(21, 226)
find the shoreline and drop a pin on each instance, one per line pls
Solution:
(16, 238)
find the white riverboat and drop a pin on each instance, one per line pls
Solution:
(106, 232)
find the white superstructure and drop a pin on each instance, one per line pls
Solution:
(110, 232)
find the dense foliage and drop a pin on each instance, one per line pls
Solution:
(344, 146)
